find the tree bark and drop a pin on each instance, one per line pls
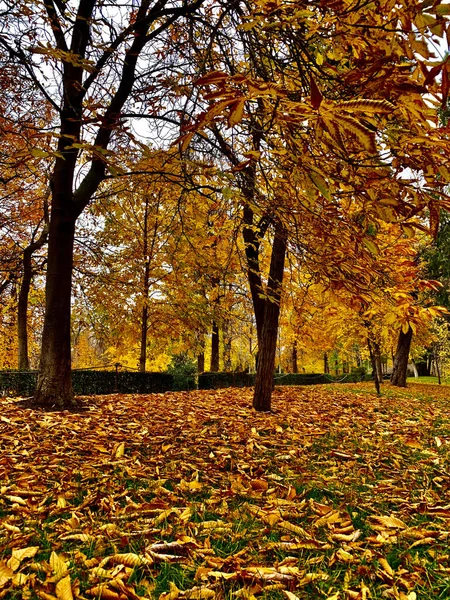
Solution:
(145, 289)
(326, 365)
(201, 362)
(268, 340)
(214, 365)
(377, 360)
(398, 377)
(54, 386)
(24, 291)
(294, 358)
(373, 360)
(226, 345)
(22, 312)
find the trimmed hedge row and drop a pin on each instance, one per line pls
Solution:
(87, 383)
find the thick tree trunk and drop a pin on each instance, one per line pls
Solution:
(54, 386)
(201, 362)
(268, 340)
(214, 365)
(398, 377)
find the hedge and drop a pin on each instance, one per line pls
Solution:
(210, 380)
(87, 383)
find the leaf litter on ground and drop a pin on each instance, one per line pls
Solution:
(336, 494)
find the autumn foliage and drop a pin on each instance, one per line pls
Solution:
(337, 494)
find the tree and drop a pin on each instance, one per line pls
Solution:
(340, 117)
(93, 49)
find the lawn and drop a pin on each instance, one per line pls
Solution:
(338, 494)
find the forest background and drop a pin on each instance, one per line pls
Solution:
(210, 181)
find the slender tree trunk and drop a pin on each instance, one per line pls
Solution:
(326, 365)
(143, 354)
(226, 345)
(398, 377)
(145, 289)
(373, 360)
(377, 360)
(414, 366)
(24, 291)
(22, 312)
(268, 340)
(294, 358)
(214, 366)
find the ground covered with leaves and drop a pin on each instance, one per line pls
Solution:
(337, 494)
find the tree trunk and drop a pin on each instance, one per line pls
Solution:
(373, 360)
(54, 386)
(268, 340)
(145, 288)
(24, 291)
(143, 354)
(214, 366)
(294, 358)
(326, 365)
(377, 360)
(22, 312)
(226, 345)
(201, 362)
(398, 377)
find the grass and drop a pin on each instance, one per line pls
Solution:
(428, 380)
(338, 494)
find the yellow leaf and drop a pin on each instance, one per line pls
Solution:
(129, 559)
(344, 556)
(18, 554)
(293, 529)
(120, 450)
(391, 522)
(61, 502)
(58, 565)
(386, 566)
(63, 589)
(195, 485)
(371, 246)
(16, 500)
(365, 136)
(101, 592)
(6, 573)
(366, 105)
(172, 594)
(236, 112)
(199, 593)
(320, 183)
